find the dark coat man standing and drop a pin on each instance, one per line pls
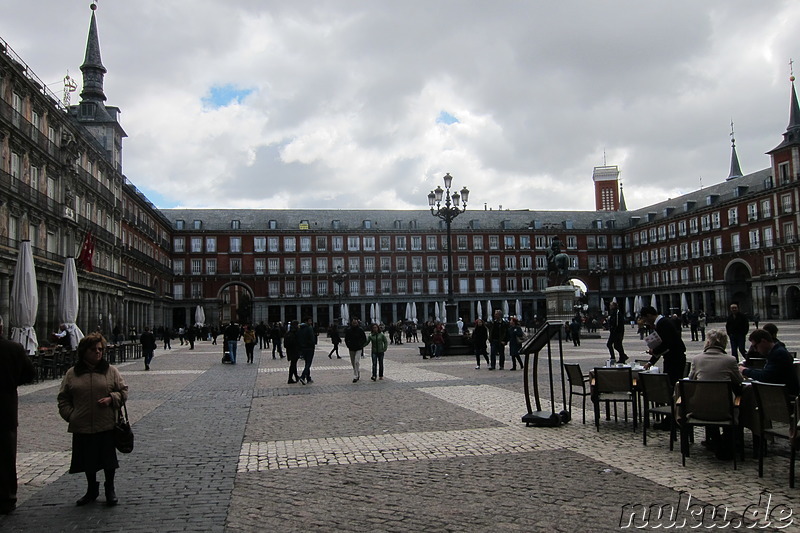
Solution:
(307, 341)
(737, 327)
(15, 369)
(671, 346)
(616, 331)
(148, 341)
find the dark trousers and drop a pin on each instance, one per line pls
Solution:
(8, 469)
(737, 345)
(308, 355)
(674, 367)
(615, 343)
(377, 364)
(248, 348)
(498, 348)
(276, 344)
(293, 366)
(481, 351)
(167, 343)
(148, 356)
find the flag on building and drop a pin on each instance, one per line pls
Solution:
(87, 251)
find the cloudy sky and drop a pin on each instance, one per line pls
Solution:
(366, 104)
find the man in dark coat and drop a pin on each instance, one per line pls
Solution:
(737, 327)
(779, 367)
(498, 338)
(307, 341)
(148, 341)
(670, 347)
(616, 331)
(231, 336)
(15, 369)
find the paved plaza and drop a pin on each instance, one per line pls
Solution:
(435, 446)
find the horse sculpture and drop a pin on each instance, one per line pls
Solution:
(557, 268)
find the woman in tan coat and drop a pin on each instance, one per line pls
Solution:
(90, 395)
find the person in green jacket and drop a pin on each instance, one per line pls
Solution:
(379, 344)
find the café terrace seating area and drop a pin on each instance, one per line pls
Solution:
(760, 420)
(52, 362)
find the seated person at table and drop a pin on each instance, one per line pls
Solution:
(715, 364)
(770, 328)
(63, 337)
(779, 367)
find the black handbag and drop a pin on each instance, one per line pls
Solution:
(123, 434)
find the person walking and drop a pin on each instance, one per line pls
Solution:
(166, 335)
(276, 333)
(261, 335)
(498, 338)
(191, 336)
(333, 333)
(515, 338)
(480, 335)
(437, 341)
(181, 334)
(231, 339)
(148, 342)
(249, 338)
(378, 347)
(575, 331)
(292, 351)
(307, 341)
(91, 393)
(616, 331)
(737, 327)
(16, 369)
(355, 339)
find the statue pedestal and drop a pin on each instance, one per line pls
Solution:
(560, 303)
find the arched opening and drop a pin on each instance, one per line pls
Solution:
(236, 303)
(792, 302)
(738, 286)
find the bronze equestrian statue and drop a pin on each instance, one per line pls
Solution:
(557, 264)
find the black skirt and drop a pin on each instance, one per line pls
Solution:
(92, 452)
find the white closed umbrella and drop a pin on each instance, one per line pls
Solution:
(199, 316)
(637, 304)
(24, 300)
(505, 308)
(377, 313)
(444, 312)
(372, 313)
(602, 306)
(414, 312)
(684, 302)
(436, 312)
(614, 299)
(345, 314)
(653, 301)
(489, 313)
(408, 311)
(68, 302)
(518, 309)
(479, 308)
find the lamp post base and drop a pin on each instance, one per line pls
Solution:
(451, 310)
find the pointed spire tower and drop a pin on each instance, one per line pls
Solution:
(786, 155)
(101, 120)
(736, 170)
(622, 206)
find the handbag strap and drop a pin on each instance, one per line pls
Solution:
(122, 412)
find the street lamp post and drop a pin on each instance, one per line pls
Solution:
(600, 272)
(454, 205)
(339, 279)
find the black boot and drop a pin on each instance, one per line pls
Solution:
(111, 495)
(92, 492)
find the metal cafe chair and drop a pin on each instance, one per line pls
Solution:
(777, 419)
(613, 385)
(577, 385)
(657, 394)
(705, 403)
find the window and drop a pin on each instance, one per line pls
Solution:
(463, 285)
(272, 242)
(197, 244)
(788, 232)
(369, 265)
(322, 288)
(541, 262)
(386, 243)
(541, 242)
(211, 244)
(180, 224)
(416, 264)
(430, 242)
(305, 265)
(509, 242)
(305, 288)
(718, 245)
(527, 284)
(305, 244)
(400, 242)
(432, 262)
(478, 262)
(177, 267)
(369, 244)
(197, 267)
(768, 241)
(705, 222)
(178, 245)
(353, 244)
(402, 286)
(786, 204)
(463, 263)
(735, 243)
(783, 173)
(338, 243)
(525, 242)
(681, 229)
(525, 262)
(707, 247)
(322, 265)
(477, 242)
(494, 242)
(273, 265)
(353, 264)
(695, 249)
(386, 286)
(494, 262)
(755, 239)
(709, 272)
(480, 285)
(211, 267)
(289, 288)
(766, 208)
(274, 289)
(322, 243)
(752, 212)
(511, 262)
(693, 225)
(511, 284)
(355, 287)
(386, 264)
(401, 264)
(495, 284)
(733, 216)
(433, 285)
(260, 265)
(236, 266)
(416, 242)
(369, 287)
(177, 291)
(671, 230)
(288, 265)
(289, 244)
(235, 224)
(259, 244)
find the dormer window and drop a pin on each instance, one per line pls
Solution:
(272, 224)
(179, 224)
(367, 224)
(197, 224)
(336, 224)
(235, 224)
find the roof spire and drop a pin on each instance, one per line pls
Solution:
(736, 170)
(794, 111)
(622, 206)
(92, 68)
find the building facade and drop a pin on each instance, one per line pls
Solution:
(61, 178)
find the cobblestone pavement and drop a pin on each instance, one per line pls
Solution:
(435, 446)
